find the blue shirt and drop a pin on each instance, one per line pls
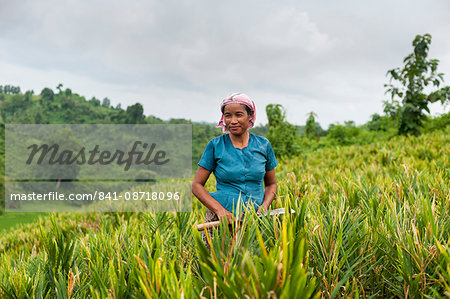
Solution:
(239, 172)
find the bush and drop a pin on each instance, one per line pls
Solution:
(438, 123)
(282, 135)
(345, 135)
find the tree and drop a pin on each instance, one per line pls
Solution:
(28, 98)
(310, 129)
(418, 73)
(38, 118)
(275, 114)
(135, 114)
(8, 89)
(392, 109)
(379, 123)
(95, 101)
(59, 88)
(47, 95)
(68, 92)
(106, 103)
(345, 134)
(282, 135)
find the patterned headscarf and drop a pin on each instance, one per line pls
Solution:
(238, 98)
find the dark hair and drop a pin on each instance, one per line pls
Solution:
(249, 111)
(247, 108)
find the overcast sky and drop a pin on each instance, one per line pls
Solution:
(179, 59)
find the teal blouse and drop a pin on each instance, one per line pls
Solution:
(239, 172)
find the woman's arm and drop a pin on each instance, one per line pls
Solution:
(270, 190)
(198, 189)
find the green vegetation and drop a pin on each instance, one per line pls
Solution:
(418, 73)
(2, 167)
(407, 117)
(311, 128)
(372, 211)
(66, 107)
(371, 220)
(282, 135)
(9, 221)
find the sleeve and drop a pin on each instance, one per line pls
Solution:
(207, 160)
(271, 162)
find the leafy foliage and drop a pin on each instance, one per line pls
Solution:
(9, 89)
(380, 123)
(310, 130)
(418, 73)
(282, 135)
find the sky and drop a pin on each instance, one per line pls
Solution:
(179, 59)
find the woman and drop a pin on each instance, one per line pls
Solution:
(241, 163)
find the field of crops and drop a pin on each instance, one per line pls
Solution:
(370, 221)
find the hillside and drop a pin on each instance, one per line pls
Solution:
(66, 107)
(371, 220)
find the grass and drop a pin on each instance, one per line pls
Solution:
(10, 220)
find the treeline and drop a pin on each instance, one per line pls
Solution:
(9, 89)
(412, 88)
(66, 107)
(289, 140)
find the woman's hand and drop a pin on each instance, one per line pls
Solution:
(270, 191)
(262, 209)
(205, 198)
(223, 213)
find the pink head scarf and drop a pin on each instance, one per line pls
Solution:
(238, 98)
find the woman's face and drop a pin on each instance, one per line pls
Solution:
(236, 118)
